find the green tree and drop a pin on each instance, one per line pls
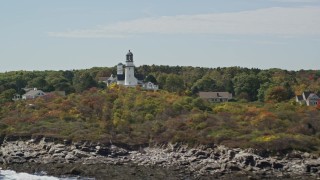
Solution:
(247, 83)
(7, 95)
(262, 91)
(38, 82)
(278, 94)
(151, 78)
(204, 84)
(83, 81)
(174, 83)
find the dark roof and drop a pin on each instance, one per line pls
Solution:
(120, 77)
(306, 94)
(300, 98)
(120, 64)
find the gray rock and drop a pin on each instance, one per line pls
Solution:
(58, 155)
(230, 167)
(296, 168)
(200, 153)
(29, 155)
(306, 155)
(294, 155)
(80, 154)
(58, 148)
(312, 166)
(231, 154)
(246, 158)
(116, 151)
(211, 167)
(15, 159)
(71, 157)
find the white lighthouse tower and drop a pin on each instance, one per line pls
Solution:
(130, 79)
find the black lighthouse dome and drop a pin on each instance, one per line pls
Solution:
(129, 56)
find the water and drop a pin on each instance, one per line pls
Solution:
(12, 175)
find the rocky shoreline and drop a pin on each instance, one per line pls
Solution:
(172, 161)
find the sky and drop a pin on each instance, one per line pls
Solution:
(80, 34)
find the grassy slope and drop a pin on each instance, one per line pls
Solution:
(138, 117)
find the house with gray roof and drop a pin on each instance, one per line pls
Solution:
(308, 98)
(33, 93)
(216, 96)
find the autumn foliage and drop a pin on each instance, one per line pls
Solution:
(134, 116)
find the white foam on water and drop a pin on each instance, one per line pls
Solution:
(12, 175)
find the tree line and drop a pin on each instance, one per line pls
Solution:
(244, 83)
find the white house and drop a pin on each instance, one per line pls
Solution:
(150, 86)
(308, 98)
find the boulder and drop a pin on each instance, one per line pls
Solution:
(246, 159)
(294, 155)
(29, 155)
(76, 171)
(211, 167)
(263, 164)
(20, 154)
(71, 157)
(296, 167)
(58, 148)
(230, 167)
(200, 153)
(116, 151)
(312, 166)
(277, 165)
(231, 154)
(103, 151)
(80, 154)
(15, 159)
(58, 155)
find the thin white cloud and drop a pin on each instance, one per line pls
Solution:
(270, 21)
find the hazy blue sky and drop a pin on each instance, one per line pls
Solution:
(77, 34)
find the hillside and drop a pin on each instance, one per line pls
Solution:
(133, 116)
(264, 114)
